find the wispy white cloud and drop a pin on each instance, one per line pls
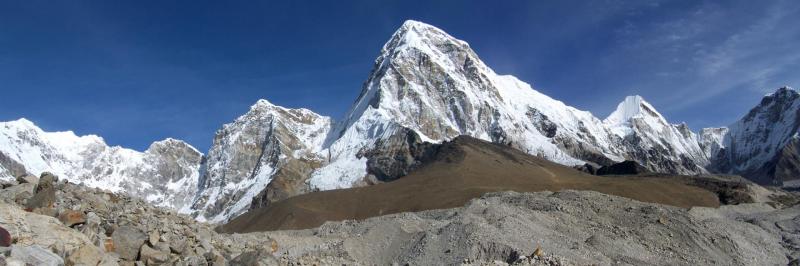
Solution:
(711, 49)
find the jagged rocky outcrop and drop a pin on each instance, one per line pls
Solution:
(398, 155)
(267, 144)
(622, 168)
(90, 226)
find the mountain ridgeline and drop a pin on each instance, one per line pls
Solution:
(425, 87)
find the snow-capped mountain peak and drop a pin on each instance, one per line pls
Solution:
(247, 154)
(633, 107)
(170, 142)
(654, 142)
(418, 35)
(755, 145)
(784, 91)
(435, 85)
(164, 174)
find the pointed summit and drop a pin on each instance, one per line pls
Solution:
(171, 143)
(424, 37)
(420, 62)
(413, 24)
(785, 90)
(774, 106)
(783, 95)
(632, 107)
(263, 104)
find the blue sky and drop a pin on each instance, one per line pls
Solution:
(142, 71)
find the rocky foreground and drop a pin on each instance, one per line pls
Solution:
(51, 222)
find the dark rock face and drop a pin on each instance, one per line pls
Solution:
(288, 154)
(589, 168)
(397, 155)
(787, 166)
(623, 168)
(542, 122)
(662, 158)
(44, 195)
(728, 192)
(288, 180)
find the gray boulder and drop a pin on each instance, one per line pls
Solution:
(109, 259)
(152, 256)
(85, 255)
(23, 179)
(178, 244)
(47, 178)
(127, 241)
(44, 195)
(192, 261)
(36, 255)
(260, 258)
(18, 194)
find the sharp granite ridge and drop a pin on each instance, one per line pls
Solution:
(425, 87)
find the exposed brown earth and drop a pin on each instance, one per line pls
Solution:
(461, 170)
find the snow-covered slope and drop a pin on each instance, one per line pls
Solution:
(761, 145)
(165, 174)
(711, 140)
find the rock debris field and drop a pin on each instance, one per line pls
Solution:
(45, 221)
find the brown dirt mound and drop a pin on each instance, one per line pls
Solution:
(463, 169)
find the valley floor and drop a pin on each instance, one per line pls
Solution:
(466, 168)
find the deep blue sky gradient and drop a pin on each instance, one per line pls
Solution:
(135, 72)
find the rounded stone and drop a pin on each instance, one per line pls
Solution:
(5, 238)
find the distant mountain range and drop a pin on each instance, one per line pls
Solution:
(425, 87)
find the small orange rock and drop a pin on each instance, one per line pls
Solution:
(109, 245)
(538, 252)
(70, 217)
(274, 246)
